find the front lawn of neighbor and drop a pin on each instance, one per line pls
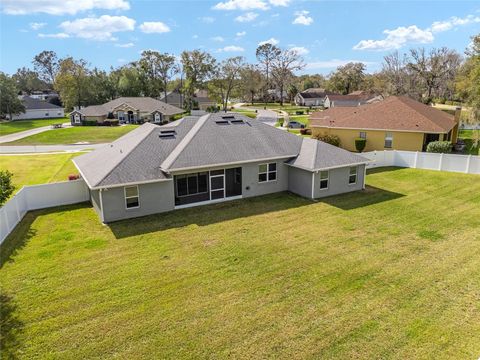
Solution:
(10, 127)
(38, 169)
(90, 134)
(392, 272)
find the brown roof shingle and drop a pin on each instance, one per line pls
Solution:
(398, 113)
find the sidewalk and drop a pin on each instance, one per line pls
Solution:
(27, 133)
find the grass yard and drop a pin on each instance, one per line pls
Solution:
(468, 136)
(290, 109)
(90, 134)
(392, 272)
(38, 169)
(10, 127)
(250, 114)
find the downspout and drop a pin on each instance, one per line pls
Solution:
(313, 185)
(102, 217)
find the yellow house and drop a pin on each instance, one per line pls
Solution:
(396, 123)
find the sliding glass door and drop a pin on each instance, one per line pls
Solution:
(217, 184)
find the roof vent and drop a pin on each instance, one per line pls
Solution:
(237, 121)
(168, 132)
(227, 117)
(167, 136)
(221, 122)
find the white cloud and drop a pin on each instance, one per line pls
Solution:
(397, 38)
(37, 26)
(207, 19)
(154, 27)
(195, 36)
(127, 45)
(300, 50)
(101, 28)
(334, 63)
(54, 36)
(121, 60)
(247, 17)
(401, 36)
(272, 41)
(241, 33)
(60, 7)
(279, 2)
(217, 38)
(440, 26)
(302, 18)
(241, 5)
(231, 48)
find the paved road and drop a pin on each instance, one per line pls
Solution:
(267, 116)
(26, 133)
(47, 148)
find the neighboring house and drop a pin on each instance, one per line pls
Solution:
(43, 95)
(312, 97)
(397, 123)
(208, 159)
(38, 109)
(355, 98)
(130, 110)
(200, 97)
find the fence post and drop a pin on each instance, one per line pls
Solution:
(440, 162)
(416, 160)
(467, 170)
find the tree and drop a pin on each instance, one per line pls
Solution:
(101, 86)
(283, 65)
(251, 82)
(127, 81)
(6, 186)
(347, 78)
(27, 81)
(395, 73)
(168, 68)
(73, 82)
(10, 104)
(226, 78)
(266, 54)
(198, 66)
(47, 65)
(150, 68)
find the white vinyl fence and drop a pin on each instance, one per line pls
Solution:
(39, 197)
(469, 164)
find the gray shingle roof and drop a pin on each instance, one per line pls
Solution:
(143, 155)
(36, 104)
(316, 155)
(144, 104)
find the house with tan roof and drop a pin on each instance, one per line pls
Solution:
(355, 98)
(396, 123)
(130, 110)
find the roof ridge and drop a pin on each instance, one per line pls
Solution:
(170, 159)
(127, 153)
(314, 157)
(410, 102)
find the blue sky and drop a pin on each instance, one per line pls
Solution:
(328, 33)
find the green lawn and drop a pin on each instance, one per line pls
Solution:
(468, 136)
(38, 169)
(389, 273)
(90, 134)
(290, 109)
(250, 114)
(10, 127)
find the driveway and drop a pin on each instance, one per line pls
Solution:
(27, 133)
(267, 116)
(24, 149)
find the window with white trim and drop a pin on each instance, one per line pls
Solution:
(192, 184)
(121, 116)
(267, 172)
(76, 118)
(388, 140)
(157, 117)
(352, 177)
(131, 197)
(363, 134)
(324, 180)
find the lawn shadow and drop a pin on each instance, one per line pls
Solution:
(384, 169)
(23, 232)
(207, 214)
(358, 199)
(10, 328)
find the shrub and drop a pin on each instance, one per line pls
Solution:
(113, 122)
(212, 109)
(329, 139)
(299, 112)
(360, 144)
(89, 123)
(439, 147)
(6, 185)
(305, 131)
(73, 177)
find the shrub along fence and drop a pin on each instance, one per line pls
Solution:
(469, 164)
(39, 197)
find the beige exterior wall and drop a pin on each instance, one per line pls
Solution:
(375, 139)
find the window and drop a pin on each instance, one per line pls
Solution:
(191, 184)
(363, 135)
(46, 114)
(121, 116)
(388, 140)
(267, 172)
(131, 197)
(76, 119)
(352, 178)
(59, 113)
(323, 180)
(157, 117)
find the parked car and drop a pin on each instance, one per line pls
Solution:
(295, 125)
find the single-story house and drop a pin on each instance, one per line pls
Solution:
(208, 159)
(312, 97)
(130, 110)
(43, 94)
(355, 98)
(38, 109)
(396, 123)
(200, 97)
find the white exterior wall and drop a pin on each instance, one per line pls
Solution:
(40, 114)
